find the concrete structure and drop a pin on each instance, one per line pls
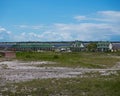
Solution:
(8, 54)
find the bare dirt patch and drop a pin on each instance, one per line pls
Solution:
(15, 71)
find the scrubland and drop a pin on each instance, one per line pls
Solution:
(61, 74)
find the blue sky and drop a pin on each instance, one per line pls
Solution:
(59, 20)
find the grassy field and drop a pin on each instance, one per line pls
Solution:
(87, 86)
(81, 59)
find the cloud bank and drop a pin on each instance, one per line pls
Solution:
(104, 25)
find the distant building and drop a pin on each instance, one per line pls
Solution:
(60, 46)
(33, 46)
(104, 46)
(6, 46)
(115, 47)
(77, 46)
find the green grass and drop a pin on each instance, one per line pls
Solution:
(89, 86)
(80, 59)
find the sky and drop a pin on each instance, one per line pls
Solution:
(59, 20)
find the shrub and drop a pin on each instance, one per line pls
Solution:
(55, 56)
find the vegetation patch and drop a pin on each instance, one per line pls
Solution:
(89, 86)
(80, 59)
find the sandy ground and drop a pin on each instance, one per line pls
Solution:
(15, 71)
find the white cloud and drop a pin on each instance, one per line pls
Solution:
(36, 27)
(68, 32)
(5, 35)
(22, 26)
(79, 18)
(110, 13)
(85, 31)
(109, 16)
(2, 29)
(104, 16)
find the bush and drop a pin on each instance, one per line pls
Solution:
(55, 56)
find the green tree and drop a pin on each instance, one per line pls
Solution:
(92, 47)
